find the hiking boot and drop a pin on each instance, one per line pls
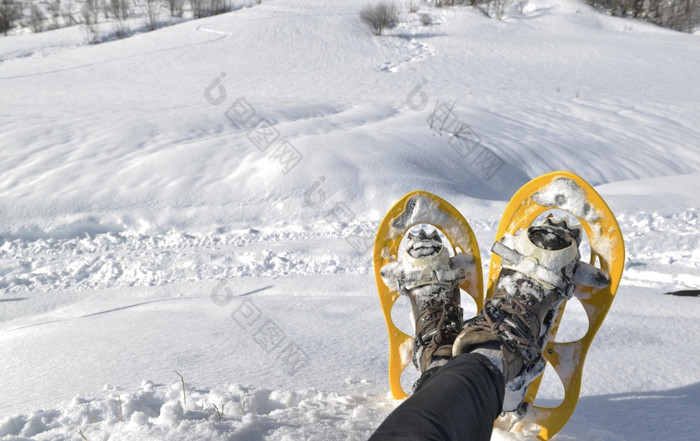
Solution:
(536, 278)
(430, 279)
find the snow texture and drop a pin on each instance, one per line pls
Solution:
(424, 210)
(204, 198)
(565, 194)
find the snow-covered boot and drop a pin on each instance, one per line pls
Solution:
(430, 279)
(537, 275)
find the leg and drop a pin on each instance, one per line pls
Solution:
(458, 401)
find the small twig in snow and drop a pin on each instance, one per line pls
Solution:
(184, 397)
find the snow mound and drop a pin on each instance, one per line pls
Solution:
(234, 412)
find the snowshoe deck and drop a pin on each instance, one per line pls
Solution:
(416, 208)
(568, 192)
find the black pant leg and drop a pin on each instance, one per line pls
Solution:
(459, 402)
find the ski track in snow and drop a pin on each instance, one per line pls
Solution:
(409, 42)
(127, 258)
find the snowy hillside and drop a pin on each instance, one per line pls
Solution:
(163, 193)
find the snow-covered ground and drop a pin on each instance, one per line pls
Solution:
(166, 196)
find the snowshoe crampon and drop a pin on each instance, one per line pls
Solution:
(419, 208)
(596, 284)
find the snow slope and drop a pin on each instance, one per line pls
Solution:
(254, 153)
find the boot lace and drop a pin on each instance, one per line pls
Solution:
(438, 323)
(511, 320)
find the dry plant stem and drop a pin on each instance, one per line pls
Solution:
(184, 397)
(219, 412)
(431, 117)
(449, 112)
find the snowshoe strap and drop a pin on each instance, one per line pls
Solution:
(585, 273)
(426, 276)
(529, 266)
(588, 275)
